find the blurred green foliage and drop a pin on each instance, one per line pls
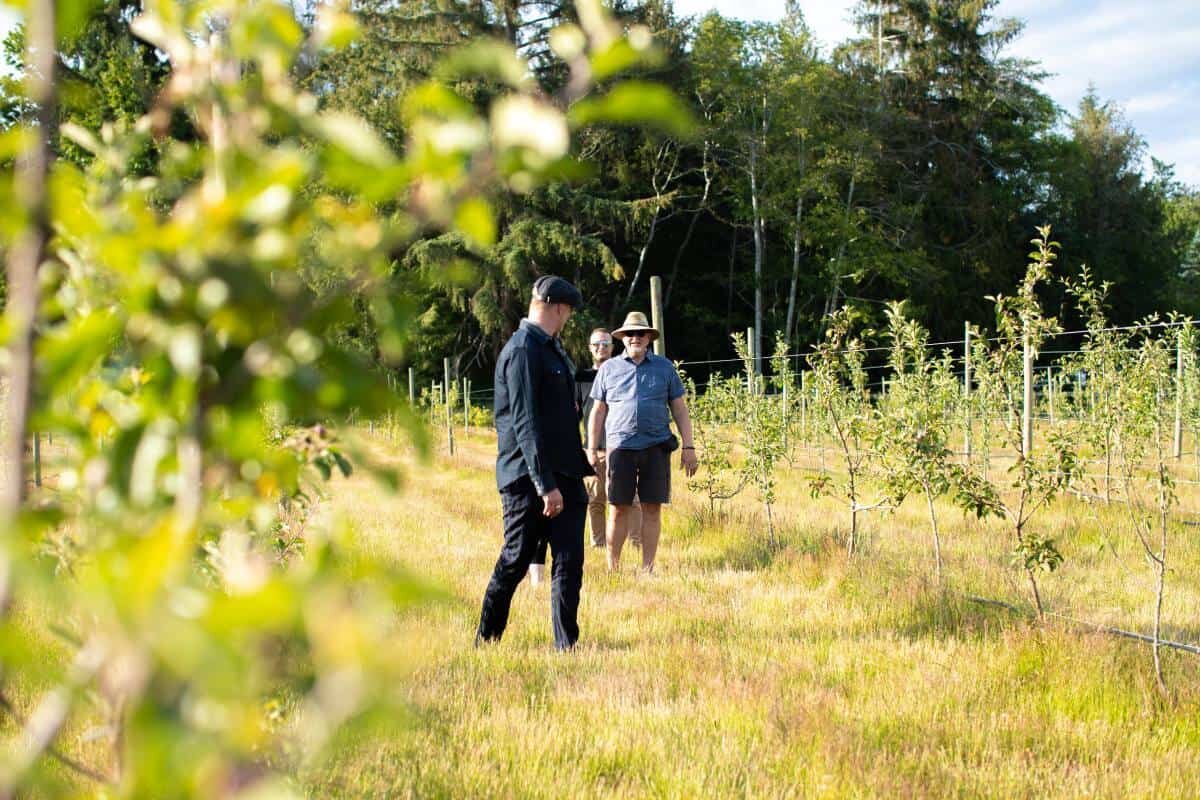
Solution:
(196, 347)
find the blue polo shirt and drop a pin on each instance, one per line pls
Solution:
(637, 396)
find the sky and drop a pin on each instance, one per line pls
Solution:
(1142, 56)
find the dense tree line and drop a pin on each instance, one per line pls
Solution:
(913, 161)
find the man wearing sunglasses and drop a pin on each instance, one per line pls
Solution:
(600, 343)
(540, 464)
(635, 395)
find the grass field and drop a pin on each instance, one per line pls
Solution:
(742, 670)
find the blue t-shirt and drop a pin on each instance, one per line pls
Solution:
(637, 396)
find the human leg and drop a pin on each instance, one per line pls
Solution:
(523, 529)
(654, 490)
(635, 523)
(651, 527)
(566, 546)
(622, 485)
(537, 568)
(618, 528)
(597, 500)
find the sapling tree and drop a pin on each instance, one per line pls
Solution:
(839, 385)
(1103, 359)
(1144, 397)
(764, 436)
(1041, 475)
(987, 403)
(713, 415)
(916, 417)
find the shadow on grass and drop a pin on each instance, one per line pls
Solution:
(746, 545)
(936, 614)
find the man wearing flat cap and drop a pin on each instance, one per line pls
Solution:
(633, 393)
(540, 464)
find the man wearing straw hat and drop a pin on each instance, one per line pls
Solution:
(635, 395)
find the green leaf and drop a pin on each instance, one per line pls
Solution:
(488, 58)
(637, 103)
(323, 468)
(351, 135)
(477, 222)
(436, 100)
(620, 56)
(73, 16)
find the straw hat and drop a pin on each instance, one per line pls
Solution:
(635, 321)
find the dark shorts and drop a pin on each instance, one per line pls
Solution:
(645, 473)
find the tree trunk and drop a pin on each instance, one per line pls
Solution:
(831, 303)
(937, 539)
(759, 246)
(729, 282)
(691, 226)
(660, 183)
(637, 274)
(28, 251)
(796, 240)
(791, 308)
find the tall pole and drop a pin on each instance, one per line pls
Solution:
(1050, 391)
(1027, 405)
(751, 347)
(412, 387)
(967, 389)
(37, 459)
(804, 406)
(466, 384)
(656, 314)
(1178, 449)
(449, 409)
(787, 411)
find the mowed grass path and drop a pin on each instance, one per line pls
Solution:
(739, 670)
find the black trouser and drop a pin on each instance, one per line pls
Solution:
(525, 527)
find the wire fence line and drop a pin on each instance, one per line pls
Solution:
(963, 344)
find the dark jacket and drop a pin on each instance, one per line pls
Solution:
(584, 378)
(537, 421)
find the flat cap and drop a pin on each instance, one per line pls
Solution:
(553, 289)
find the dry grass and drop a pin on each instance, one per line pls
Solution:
(745, 670)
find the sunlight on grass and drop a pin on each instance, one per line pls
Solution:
(741, 669)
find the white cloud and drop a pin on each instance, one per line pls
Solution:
(1154, 102)
(1182, 152)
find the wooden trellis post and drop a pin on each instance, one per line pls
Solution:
(1177, 450)
(449, 408)
(753, 371)
(804, 406)
(656, 315)
(967, 390)
(1050, 391)
(466, 384)
(37, 459)
(1027, 404)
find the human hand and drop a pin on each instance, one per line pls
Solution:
(552, 503)
(594, 456)
(689, 460)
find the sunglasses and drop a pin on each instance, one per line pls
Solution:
(632, 335)
(600, 344)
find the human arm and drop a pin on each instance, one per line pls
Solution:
(679, 411)
(521, 379)
(596, 429)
